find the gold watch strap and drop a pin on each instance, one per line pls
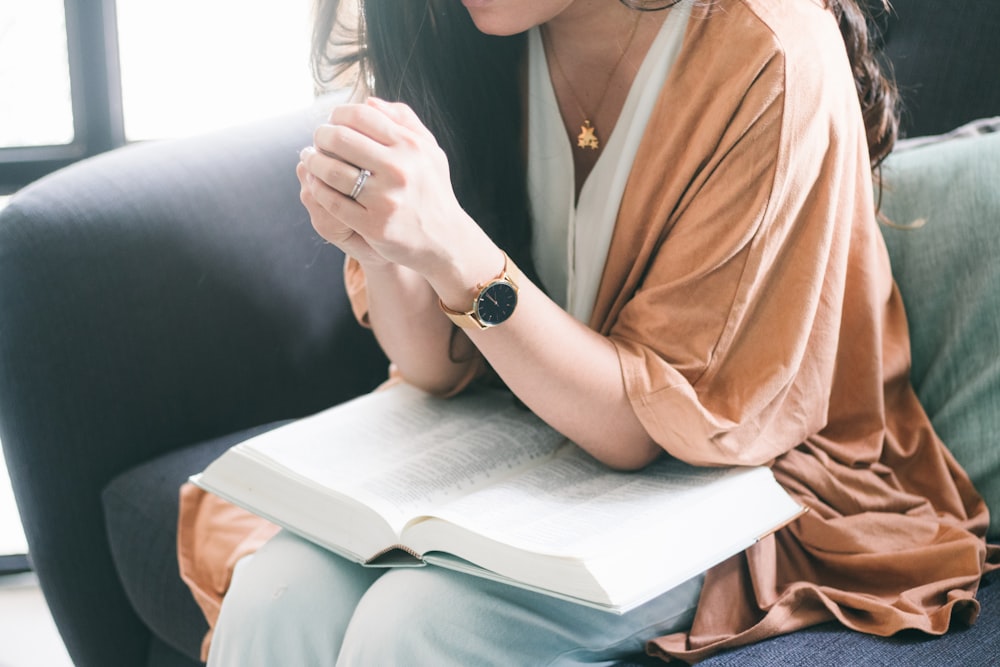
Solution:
(469, 320)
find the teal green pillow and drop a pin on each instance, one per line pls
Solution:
(947, 265)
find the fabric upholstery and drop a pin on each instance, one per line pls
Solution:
(162, 654)
(140, 515)
(944, 198)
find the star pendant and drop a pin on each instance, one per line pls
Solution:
(587, 138)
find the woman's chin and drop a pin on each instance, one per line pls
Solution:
(492, 20)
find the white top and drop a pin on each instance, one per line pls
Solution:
(570, 244)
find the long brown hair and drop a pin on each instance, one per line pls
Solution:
(877, 90)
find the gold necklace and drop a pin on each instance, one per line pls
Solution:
(588, 133)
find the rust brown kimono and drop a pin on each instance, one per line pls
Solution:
(749, 295)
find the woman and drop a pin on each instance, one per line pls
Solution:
(688, 194)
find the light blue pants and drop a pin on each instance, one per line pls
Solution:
(293, 603)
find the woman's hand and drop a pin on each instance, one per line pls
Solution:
(406, 213)
(406, 228)
(328, 227)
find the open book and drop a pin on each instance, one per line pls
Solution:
(478, 483)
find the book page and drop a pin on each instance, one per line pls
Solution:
(577, 529)
(574, 506)
(404, 452)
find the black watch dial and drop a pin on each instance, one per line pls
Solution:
(496, 303)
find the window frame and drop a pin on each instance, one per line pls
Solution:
(95, 93)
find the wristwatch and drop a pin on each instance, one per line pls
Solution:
(494, 302)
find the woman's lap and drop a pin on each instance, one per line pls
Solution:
(289, 603)
(295, 603)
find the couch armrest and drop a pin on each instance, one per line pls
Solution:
(153, 297)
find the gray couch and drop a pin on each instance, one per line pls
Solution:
(163, 301)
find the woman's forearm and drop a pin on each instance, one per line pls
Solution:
(570, 376)
(413, 332)
(566, 373)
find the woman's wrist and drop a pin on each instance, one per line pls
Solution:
(473, 263)
(382, 274)
(453, 269)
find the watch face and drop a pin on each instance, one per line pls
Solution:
(496, 303)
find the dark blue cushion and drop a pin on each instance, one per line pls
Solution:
(140, 515)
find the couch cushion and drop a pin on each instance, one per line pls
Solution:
(944, 199)
(140, 515)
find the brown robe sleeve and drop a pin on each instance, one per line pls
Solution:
(726, 276)
(357, 294)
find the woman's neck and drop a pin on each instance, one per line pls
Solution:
(594, 50)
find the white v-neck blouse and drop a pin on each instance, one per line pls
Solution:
(570, 243)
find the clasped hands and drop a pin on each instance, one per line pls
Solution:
(405, 213)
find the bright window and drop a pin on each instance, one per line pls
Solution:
(191, 66)
(35, 104)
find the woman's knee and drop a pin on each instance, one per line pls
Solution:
(290, 600)
(432, 616)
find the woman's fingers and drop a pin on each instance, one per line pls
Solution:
(367, 120)
(404, 208)
(375, 136)
(323, 204)
(350, 146)
(315, 196)
(342, 176)
(330, 206)
(401, 114)
(368, 134)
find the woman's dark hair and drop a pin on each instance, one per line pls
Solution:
(466, 87)
(876, 90)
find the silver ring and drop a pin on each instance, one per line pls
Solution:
(359, 184)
